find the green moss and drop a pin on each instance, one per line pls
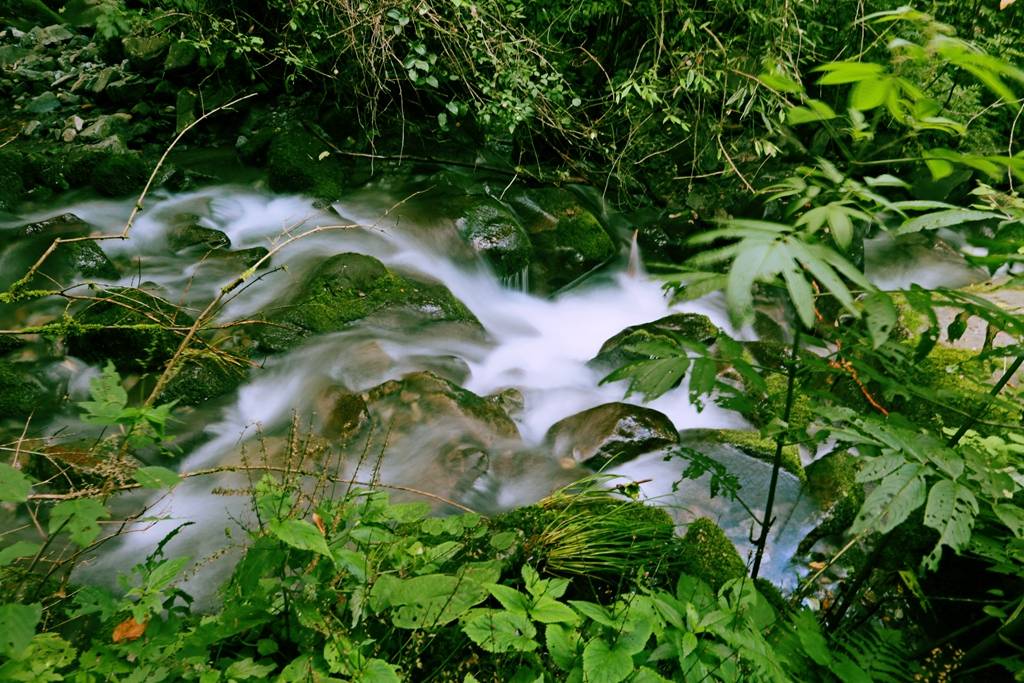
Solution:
(495, 233)
(708, 554)
(141, 340)
(296, 162)
(202, 376)
(349, 287)
(832, 480)
(118, 175)
(21, 394)
(756, 446)
(12, 187)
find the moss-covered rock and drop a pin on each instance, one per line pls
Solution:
(201, 376)
(748, 442)
(69, 261)
(612, 432)
(118, 175)
(130, 327)
(12, 185)
(349, 287)
(494, 232)
(693, 326)
(298, 161)
(21, 392)
(568, 240)
(189, 234)
(707, 553)
(832, 480)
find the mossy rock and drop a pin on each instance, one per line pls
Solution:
(296, 162)
(692, 326)
(832, 480)
(12, 184)
(495, 233)
(142, 339)
(707, 553)
(202, 376)
(612, 432)
(21, 393)
(70, 260)
(749, 442)
(568, 240)
(349, 287)
(190, 235)
(119, 175)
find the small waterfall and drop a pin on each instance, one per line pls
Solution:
(517, 282)
(635, 267)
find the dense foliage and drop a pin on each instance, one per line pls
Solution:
(806, 129)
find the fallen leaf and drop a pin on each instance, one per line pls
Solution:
(319, 524)
(1003, 4)
(129, 630)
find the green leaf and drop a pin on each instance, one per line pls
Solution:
(247, 668)
(500, 631)
(161, 576)
(881, 317)
(14, 485)
(892, 501)
(155, 477)
(16, 550)
(779, 82)
(800, 294)
(841, 225)
(79, 519)
(300, 534)
(510, 598)
(746, 268)
(605, 664)
(378, 671)
(815, 110)
(808, 630)
(951, 510)
(837, 73)
(17, 626)
(870, 93)
(563, 645)
(944, 219)
(595, 612)
(1012, 516)
(108, 398)
(547, 610)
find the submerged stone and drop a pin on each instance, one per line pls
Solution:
(615, 352)
(832, 480)
(494, 232)
(201, 376)
(568, 240)
(189, 234)
(349, 287)
(748, 442)
(613, 432)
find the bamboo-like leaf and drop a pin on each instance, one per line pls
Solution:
(944, 219)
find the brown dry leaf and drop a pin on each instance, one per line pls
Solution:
(129, 630)
(319, 524)
(1003, 4)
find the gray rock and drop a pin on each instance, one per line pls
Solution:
(146, 50)
(610, 432)
(49, 35)
(180, 55)
(43, 103)
(494, 232)
(106, 126)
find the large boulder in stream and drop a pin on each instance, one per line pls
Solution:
(568, 240)
(613, 432)
(81, 259)
(495, 233)
(349, 287)
(299, 161)
(21, 392)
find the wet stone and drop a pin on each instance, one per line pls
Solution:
(611, 432)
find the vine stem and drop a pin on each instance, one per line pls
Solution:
(780, 442)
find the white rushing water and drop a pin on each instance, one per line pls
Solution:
(537, 345)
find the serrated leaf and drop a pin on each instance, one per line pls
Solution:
(377, 671)
(155, 477)
(78, 518)
(892, 501)
(605, 664)
(247, 668)
(17, 550)
(500, 631)
(108, 398)
(1012, 516)
(17, 626)
(808, 631)
(951, 510)
(563, 645)
(510, 598)
(300, 534)
(14, 485)
(547, 610)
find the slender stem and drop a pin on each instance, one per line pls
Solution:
(991, 397)
(780, 441)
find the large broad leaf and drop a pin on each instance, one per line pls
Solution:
(433, 599)
(837, 73)
(870, 93)
(892, 501)
(808, 631)
(563, 645)
(1012, 516)
(881, 317)
(300, 534)
(500, 631)
(945, 219)
(603, 663)
(14, 486)
(79, 518)
(951, 510)
(17, 626)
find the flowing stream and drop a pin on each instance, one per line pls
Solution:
(539, 346)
